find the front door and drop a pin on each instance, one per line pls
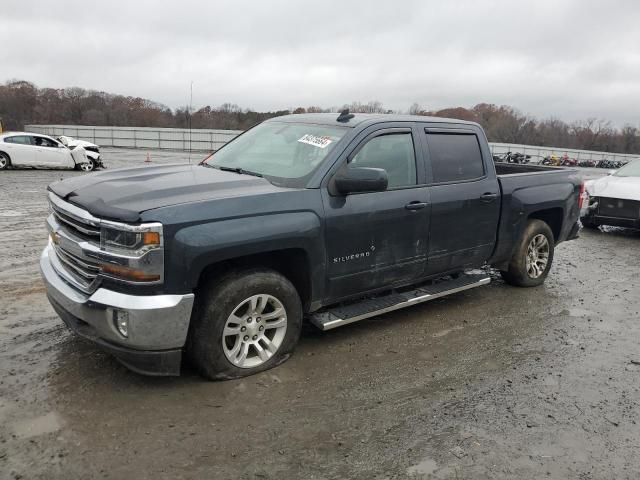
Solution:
(51, 154)
(377, 239)
(465, 200)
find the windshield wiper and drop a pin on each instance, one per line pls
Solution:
(239, 170)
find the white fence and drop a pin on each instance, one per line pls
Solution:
(211, 140)
(138, 137)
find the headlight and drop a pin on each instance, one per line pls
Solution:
(130, 239)
(132, 253)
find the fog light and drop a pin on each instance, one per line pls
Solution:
(121, 321)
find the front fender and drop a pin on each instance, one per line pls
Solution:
(196, 247)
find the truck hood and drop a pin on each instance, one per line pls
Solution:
(625, 188)
(125, 193)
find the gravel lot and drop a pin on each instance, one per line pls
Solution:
(496, 382)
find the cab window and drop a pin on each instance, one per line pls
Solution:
(392, 152)
(454, 157)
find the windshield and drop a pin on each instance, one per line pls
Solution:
(285, 153)
(631, 169)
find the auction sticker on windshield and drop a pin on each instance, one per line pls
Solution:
(316, 141)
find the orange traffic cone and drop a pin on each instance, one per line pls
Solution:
(148, 160)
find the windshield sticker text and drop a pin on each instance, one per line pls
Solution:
(316, 141)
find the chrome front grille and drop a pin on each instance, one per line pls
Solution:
(83, 271)
(73, 231)
(83, 229)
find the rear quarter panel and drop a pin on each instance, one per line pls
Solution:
(523, 195)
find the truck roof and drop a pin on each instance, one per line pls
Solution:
(361, 118)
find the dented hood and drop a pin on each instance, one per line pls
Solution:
(625, 188)
(125, 193)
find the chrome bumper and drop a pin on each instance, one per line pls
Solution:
(156, 322)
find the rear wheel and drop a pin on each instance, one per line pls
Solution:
(244, 323)
(533, 256)
(5, 161)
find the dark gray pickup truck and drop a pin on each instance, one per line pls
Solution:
(321, 217)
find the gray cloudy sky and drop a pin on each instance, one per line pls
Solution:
(566, 58)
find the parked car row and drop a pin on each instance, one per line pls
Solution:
(34, 150)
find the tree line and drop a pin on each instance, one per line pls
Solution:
(23, 103)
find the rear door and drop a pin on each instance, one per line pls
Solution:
(465, 198)
(376, 239)
(20, 150)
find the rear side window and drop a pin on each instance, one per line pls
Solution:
(455, 157)
(20, 139)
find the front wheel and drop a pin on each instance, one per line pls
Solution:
(244, 323)
(533, 256)
(88, 166)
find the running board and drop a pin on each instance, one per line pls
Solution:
(345, 314)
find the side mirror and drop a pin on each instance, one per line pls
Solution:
(361, 179)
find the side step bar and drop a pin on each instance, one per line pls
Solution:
(345, 314)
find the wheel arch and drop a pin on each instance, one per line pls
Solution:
(6, 155)
(293, 263)
(552, 217)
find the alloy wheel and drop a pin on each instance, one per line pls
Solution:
(254, 331)
(537, 256)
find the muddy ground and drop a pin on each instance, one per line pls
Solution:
(496, 382)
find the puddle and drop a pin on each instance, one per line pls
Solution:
(425, 467)
(11, 213)
(446, 331)
(37, 426)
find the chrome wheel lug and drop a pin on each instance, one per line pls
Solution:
(261, 328)
(249, 320)
(255, 337)
(242, 329)
(246, 337)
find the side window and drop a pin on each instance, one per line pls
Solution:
(43, 142)
(454, 157)
(19, 139)
(392, 152)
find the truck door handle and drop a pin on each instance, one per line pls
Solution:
(415, 205)
(488, 197)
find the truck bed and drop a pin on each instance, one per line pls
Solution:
(503, 169)
(550, 191)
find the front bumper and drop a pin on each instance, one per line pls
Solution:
(158, 324)
(633, 223)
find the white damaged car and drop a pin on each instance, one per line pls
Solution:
(92, 150)
(34, 150)
(614, 199)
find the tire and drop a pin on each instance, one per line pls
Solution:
(522, 272)
(5, 161)
(212, 341)
(87, 167)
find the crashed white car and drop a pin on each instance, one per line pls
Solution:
(93, 150)
(614, 199)
(22, 149)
